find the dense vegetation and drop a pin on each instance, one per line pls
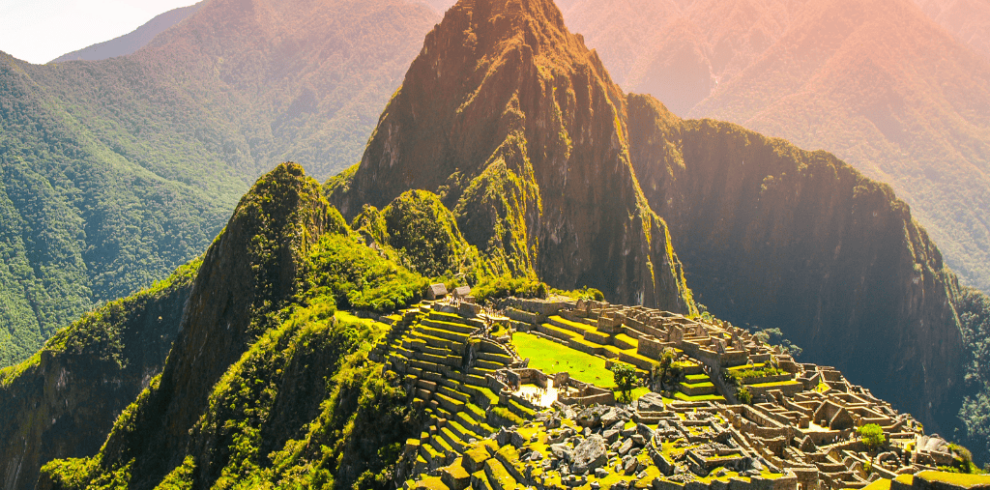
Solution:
(359, 278)
(284, 264)
(974, 311)
(425, 234)
(799, 241)
(288, 395)
(113, 173)
(73, 389)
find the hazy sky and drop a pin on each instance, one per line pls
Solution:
(42, 30)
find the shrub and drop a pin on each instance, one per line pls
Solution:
(744, 396)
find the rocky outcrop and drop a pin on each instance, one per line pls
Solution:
(517, 126)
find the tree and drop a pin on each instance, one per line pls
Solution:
(871, 435)
(744, 396)
(625, 379)
(667, 371)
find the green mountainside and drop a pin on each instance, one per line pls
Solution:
(264, 305)
(63, 400)
(509, 161)
(776, 236)
(113, 173)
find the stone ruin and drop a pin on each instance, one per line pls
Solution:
(798, 434)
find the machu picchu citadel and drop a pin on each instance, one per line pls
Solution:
(496, 422)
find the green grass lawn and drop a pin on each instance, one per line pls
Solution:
(551, 358)
(351, 318)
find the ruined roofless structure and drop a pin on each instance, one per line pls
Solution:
(495, 423)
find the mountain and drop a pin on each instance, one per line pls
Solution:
(520, 131)
(772, 235)
(879, 84)
(911, 110)
(263, 305)
(115, 172)
(62, 402)
(133, 41)
(537, 166)
(778, 237)
(967, 20)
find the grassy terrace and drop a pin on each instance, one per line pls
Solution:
(744, 367)
(699, 398)
(574, 326)
(780, 383)
(551, 358)
(960, 479)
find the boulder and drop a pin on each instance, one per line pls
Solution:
(611, 435)
(645, 431)
(650, 402)
(610, 417)
(562, 452)
(591, 416)
(625, 447)
(589, 455)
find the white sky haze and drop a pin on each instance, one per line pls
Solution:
(39, 31)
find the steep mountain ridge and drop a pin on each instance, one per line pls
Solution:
(250, 272)
(516, 125)
(262, 358)
(520, 168)
(779, 237)
(912, 110)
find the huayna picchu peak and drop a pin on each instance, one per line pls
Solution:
(506, 292)
(515, 124)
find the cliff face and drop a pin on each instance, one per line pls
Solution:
(778, 237)
(62, 402)
(515, 124)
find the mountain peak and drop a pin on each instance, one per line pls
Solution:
(516, 125)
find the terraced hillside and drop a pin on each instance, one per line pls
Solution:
(495, 422)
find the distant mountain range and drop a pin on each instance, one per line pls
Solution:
(967, 20)
(133, 41)
(115, 172)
